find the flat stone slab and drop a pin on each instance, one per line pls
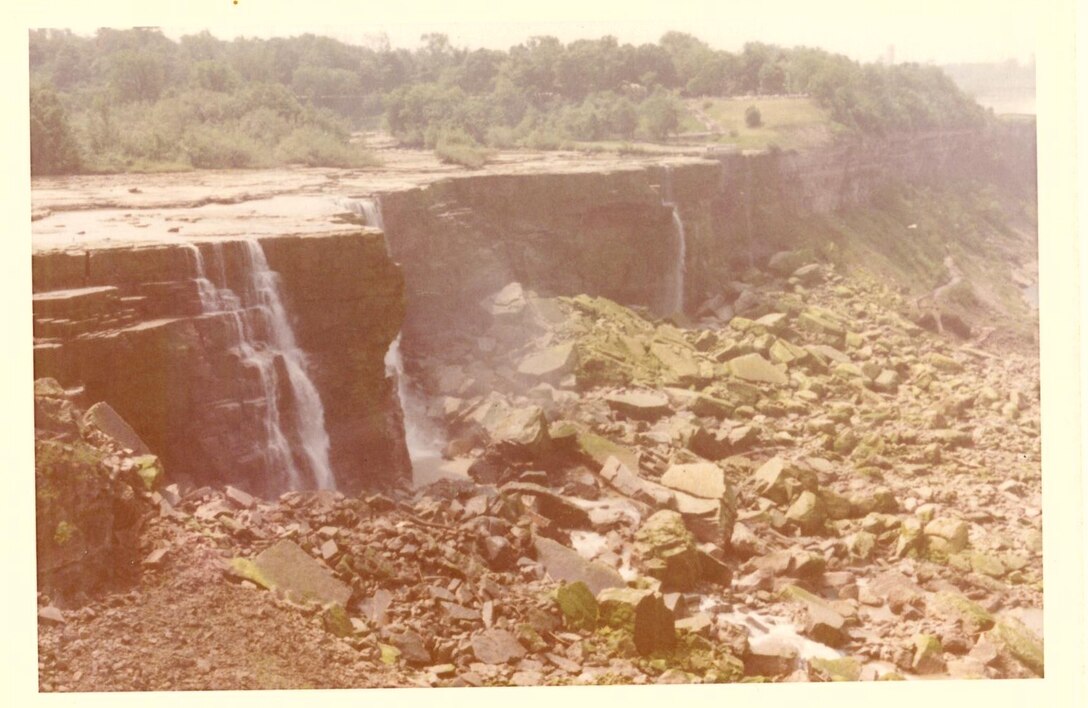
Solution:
(565, 564)
(286, 567)
(753, 367)
(640, 405)
(104, 418)
(550, 364)
(701, 479)
(496, 646)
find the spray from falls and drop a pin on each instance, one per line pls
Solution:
(674, 301)
(262, 336)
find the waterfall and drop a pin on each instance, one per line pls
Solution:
(423, 440)
(369, 208)
(748, 209)
(674, 302)
(262, 334)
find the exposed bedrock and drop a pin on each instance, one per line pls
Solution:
(129, 325)
(140, 328)
(610, 232)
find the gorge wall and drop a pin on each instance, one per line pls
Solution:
(610, 232)
(133, 326)
(128, 324)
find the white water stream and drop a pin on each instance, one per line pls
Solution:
(263, 334)
(675, 295)
(423, 440)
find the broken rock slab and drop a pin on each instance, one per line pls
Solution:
(550, 364)
(753, 367)
(102, 417)
(643, 613)
(564, 564)
(496, 646)
(287, 568)
(640, 405)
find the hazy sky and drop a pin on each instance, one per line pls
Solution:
(922, 30)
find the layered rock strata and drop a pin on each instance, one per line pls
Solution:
(128, 325)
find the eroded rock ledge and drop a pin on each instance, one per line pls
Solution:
(127, 324)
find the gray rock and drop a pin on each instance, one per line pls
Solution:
(550, 364)
(753, 367)
(563, 563)
(288, 568)
(640, 405)
(102, 417)
(496, 646)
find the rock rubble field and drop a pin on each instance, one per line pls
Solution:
(795, 482)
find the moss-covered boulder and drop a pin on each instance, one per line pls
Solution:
(666, 550)
(971, 616)
(287, 568)
(87, 516)
(578, 605)
(642, 613)
(1017, 641)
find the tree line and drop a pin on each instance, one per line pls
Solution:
(133, 99)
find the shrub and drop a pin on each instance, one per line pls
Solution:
(218, 147)
(314, 147)
(752, 117)
(457, 148)
(53, 149)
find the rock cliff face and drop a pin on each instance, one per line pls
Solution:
(134, 327)
(612, 234)
(129, 325)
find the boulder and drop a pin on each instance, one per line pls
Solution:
(594, 447)
(972, 617)
(103, 418)
(778, 481)
(578, 605)
(630, 484)
(641, 612)
(518, 432)
(666, 550)
(285, 567)
(508, 303)
(946, 535)
(753, 367)
(496, 646)
(87, 518)
(550, 365)
(928, 655)
(807, 512)
(564, 564)
(550, 505)
(639, 405)
(701, 479)
(824, 624)
(1014, 639)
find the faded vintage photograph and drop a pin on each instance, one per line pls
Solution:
(413, 355)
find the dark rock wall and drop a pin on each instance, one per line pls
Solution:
(608, 233)
(133, 334)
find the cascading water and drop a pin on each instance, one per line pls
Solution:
(424, 441)
(263, 334)
(674, 302)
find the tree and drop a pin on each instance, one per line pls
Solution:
(752, 117)
(53, 149)
(137, 75)
(660, 115)
(214, 75)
